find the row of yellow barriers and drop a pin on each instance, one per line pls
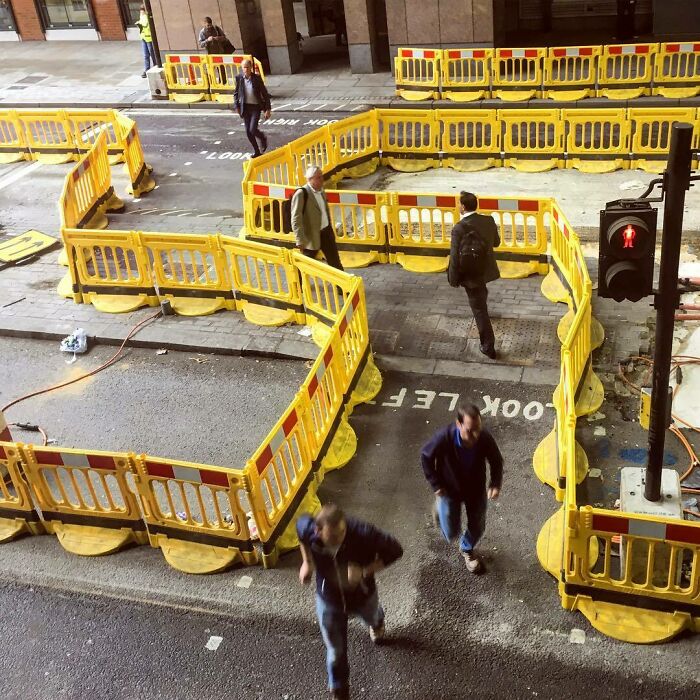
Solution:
(205, 77)
(619, 71)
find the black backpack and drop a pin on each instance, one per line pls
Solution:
(287, 210)
(472, 255)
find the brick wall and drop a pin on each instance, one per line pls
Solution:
(109, 20)
(28, 21)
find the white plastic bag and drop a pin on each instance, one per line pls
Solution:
(76, 342)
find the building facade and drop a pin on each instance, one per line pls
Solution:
(288, 35)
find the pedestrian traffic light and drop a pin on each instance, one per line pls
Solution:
(626, 251)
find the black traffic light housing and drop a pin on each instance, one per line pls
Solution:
(626, 250)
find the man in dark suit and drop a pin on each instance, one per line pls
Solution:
(475, 283)
(250, 99)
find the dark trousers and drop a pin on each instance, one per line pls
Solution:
(478, 297)
(329, 248)
(251, 117)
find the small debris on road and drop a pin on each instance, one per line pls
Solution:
(162, 351)
(213, 643)
(244, 582)
(577, 636)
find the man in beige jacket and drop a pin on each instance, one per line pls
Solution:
(311, 219)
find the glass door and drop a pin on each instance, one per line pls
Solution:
(65, 14)
(7, 20)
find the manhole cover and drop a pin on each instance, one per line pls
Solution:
(32, 79)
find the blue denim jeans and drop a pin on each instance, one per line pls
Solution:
(450, 516)
(149, 54)
(334, 630)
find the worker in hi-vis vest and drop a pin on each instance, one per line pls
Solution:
(149, 54)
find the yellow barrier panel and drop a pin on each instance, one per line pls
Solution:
(49, 136)
(355, 145)
(109, 270)
(195, 514)
(141, 180)
(410, 139)
(677, 70)
(324, 289)
(13, 144)
(570, 72)
(273, 168)
(651, 135)
(417, 73)
(222, 71)
(625, 70)
(88, 125)
(186, 77)
(471, 139)
(264, 214)
(517, 73)
(190, 270)
(533, 139)
(466, 74)
(314, 148)
(266, 285)
(598, 140)
(85, 498)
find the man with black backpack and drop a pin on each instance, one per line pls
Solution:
(473, 264)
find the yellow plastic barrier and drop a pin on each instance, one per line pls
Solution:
(410, 139)
(85, 498)
(471, 139)
(264, 219)
(324, 290)
(222, 70)
(88, 125)
(517, 73)
(314, 148)
(186, 77)
(597, 140)
(190, 270)
(141, 180)
(417, 73)
(109, 269)
(265, 282)
(195, 514)
(466, 74)
(533, 139)
(625, 70)
(355, 143)
(49, 136)
(273, 168)
(13, 144)
(651, 135)
(677, 70)
(570, 72)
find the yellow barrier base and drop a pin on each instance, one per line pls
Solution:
(569, 95)
(116, 158)
(422, 263)
(622, 93)
(677, 92)
(222, 98)
(65, 287)
(342, 447)
(188, 98)
(469, 165)
(597, 330)
(553, 289)
(54, 158)
(546, 464)
(550, 545)
(597, 166)
(146, 184)
(10, 528)
(368, 386)
(416, 95)
(195, 558)
(7, 158)
(267, 315)
(354, 259)
(629, 624)
(524, 165)
(515, 95)
(187, 306)
(359, 171)
(512, 270)
(116, 303)
(409, 166)
(114, 203)
(590, 397)
(649, 166)
(98, 221)
(90, 541)
(470, 96)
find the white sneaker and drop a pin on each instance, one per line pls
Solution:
(376, 634)
(473, 563)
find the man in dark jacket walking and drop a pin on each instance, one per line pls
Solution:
(454, 463)
(346, 554)
(250, 99)
(474, 282)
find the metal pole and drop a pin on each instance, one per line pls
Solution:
(154, 35)
(677, 181)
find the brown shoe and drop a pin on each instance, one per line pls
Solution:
(340, 694)
(473, 563)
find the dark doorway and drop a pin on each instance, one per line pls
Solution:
(380, 37)
(323, 34)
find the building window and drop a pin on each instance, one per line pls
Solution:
(65, 14)
(7, 21)
(131, 9)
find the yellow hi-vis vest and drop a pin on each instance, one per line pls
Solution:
(145, 28)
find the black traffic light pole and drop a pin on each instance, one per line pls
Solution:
(154, 35)
(677, 181)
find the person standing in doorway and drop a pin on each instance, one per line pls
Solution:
(473, 265)
(311, 219)
(250, 100)
(149, 53)
(454, 463)
(346, 554)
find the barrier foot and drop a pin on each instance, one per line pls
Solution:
(470, 166)
(515, 95)
(550, 545)
(114, 203)
(98, 221)
(186, 306)
(531, 166)
(591, 394)
(10, 528)
(651, 166)
(63, 257)
(116, 304)
(195, 558)
(545, 463)
(416, 95)
(55, 158)
(357, 259)
(597, 166)
(320, 333)
(267, 315)
(116, 158)
(678, 92)
(622, 93)
(512, 270)
(635, 625)
(90, 541)
(184, 98)
(368, 386)
(342, 448)
(409, 166)
(465, 96)
(553, 289)
(597, 330)
(65, 288)
(568, 95)
(7, 158)
(422, 263)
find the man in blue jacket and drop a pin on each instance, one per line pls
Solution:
(454, 463)
(346, 554)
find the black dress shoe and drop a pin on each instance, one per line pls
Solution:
(489, 352)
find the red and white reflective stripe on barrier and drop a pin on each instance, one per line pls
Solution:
(561, 224)
(573, 51)
(5, 435)
(81, 169)
(183, 58)
(627, 49)
(345, 322)
(417, 53)
(427, 200)
(673, 532)
(517, 53)
(681, 48)
(198, 476)
(227, 59)
(466, 53)
(322, 367)
(277, 441)
(274, 191)
(509, 204)
(351, 198)
(82, 460)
